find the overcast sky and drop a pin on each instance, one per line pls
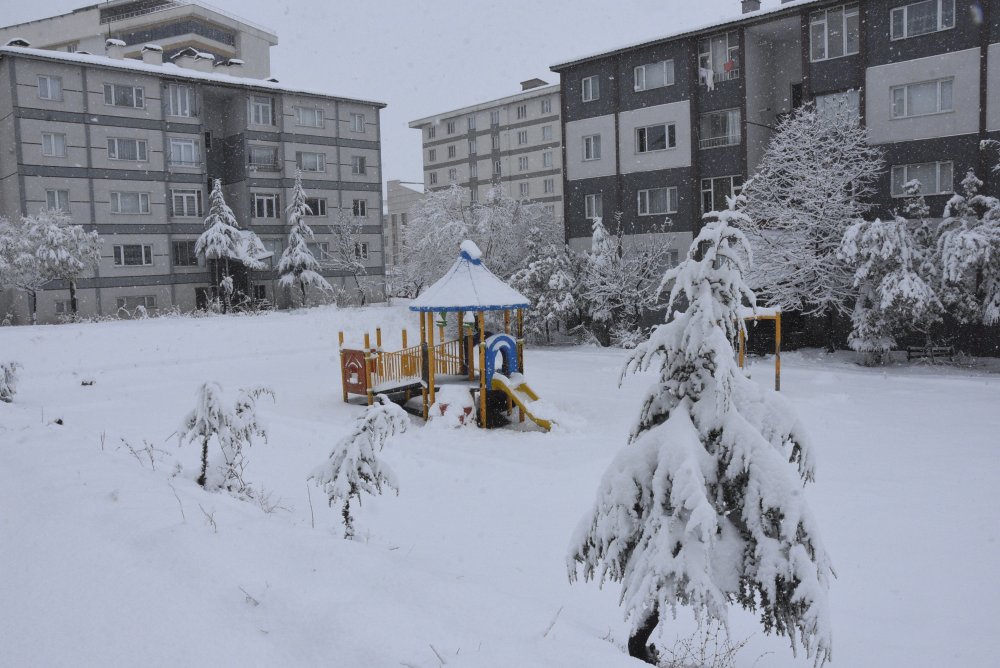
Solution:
(426, 58)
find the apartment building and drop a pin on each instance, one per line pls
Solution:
(175, 25)
(664, 130)
(401, 201)
(130, 147)
(513, 142)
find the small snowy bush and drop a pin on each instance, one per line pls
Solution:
(232, 428)
(354, 465)
(8, 381)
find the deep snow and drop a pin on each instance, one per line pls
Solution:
(100, 567)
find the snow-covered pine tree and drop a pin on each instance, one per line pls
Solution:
(811, 184)
(297, 263)
(223, 240)
(232, 428)
(892, 295)
(8, 381)
(704, 506)
(354, 465)
(548, 280)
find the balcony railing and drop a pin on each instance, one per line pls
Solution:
(136, 9)
(715, 142)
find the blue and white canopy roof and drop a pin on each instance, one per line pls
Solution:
(469, 286)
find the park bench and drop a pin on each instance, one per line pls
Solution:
(929, 351)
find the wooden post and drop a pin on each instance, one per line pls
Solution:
(378, 344)
(404, 340)
(461, 343)
(369, 363)
(482, 369)
(777, 352)
(368, 342)
(743, 338)
(432, 362)
(423, 361)
(343, 369)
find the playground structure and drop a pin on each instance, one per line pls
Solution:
(763, 314)
(470, 359)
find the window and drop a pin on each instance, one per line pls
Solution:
(547, 106)
(432, 178)
(549, 186)
(522, 111)
(715, 191)
(929, 97)
(133, 255)
(183, 253)
(359, 165)
(123, 96)
(311, 162)
(655, 138)
(452, 151)
(473, 147)
(361, 250)
(836, 105)
(262, 110)
(432, 155)
(184, 152)
(317, 206)
(180, 100)
(450, 127)
(264, 157)
(496, 142)
(127, 149)
(654, 75)
(546, 132)
(131, 203)
(473, 170)
(265, 205)
(431, 132)
(720, 128)
(522, 137)
(473, 196)
(453, 174)
(720, 55)
(57, 199)
(50, 88)
(272, 246)
(592, 147)
(495, 117)
(522, 163)
(935, 178)
(496, 167)
(833, 32)
(471, 120)
(185, 203)
(53, 145)
(359, 208)
(921, 18)
(550, 209)
(132, 303)
(524, 189)
(63, 306)
(320, 250)
(357, 122)
(309, 117)
(591, 88)
(547, 159)
(593, 206)
(657, 201)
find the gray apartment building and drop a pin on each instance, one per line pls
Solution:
(513, 142)
(400, 200)
(666, 129)
(129, 147)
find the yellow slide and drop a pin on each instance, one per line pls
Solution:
(518, 390)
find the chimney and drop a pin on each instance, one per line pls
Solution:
(750, 6)
(532, 83)
(17, 41)
(152, 54)
(203, 61)
(233, 66)
(115, 48)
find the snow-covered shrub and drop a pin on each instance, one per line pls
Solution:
(8, 381)
(704, 507)
(354, 465)
(548, 280)
(233, 429)
(453, 407)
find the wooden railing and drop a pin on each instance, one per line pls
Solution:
(397, 365)
(448, 358)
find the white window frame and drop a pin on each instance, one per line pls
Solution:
(471, 121)
(524, 188)
(522, 111)
(190, 203)
(359, 208)
(52, 85)
(189, 253)
(522, 137)
(359, 165)
(732, 138)
(905, 177)
(357, 122)
(308, 117)
(640, 75)
(432, 178)
(57, 198)
(593, 206)
(431, 132)
(146, 253)
(432, 155)
(142, 200)
(549, 186)
(317, 206)
(257, 107)
(189, 152)
(546, 133)
(450, 127)
(642, 137)
(591, 147)
(453, 174)
(452, 150)
(708, 188)
(473, 146)
(265, 205)
(180, 101)
(904, 16)
(590, 88)
(547, 105)
(360, 250)
(497, 168)
(115, 149)
(547, 159)
(904, 90)
(732, 49)
(495, 117)
(112, 92)
(473, 171)
(310, 161)
(496, 141)
(522, 163)
(270, 165)
(645, 199)
(53, 144)
(820, 18)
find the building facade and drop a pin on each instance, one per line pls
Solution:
(129, 148)
(513, 142)
(401, 200)
(666, 129)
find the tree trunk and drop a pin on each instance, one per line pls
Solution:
(302, 286)
(33, 298)
(348, 521)
(638, 642)
(72, 296)
(203, 478)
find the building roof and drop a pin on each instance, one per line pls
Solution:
(784, 8)
(483, 106)
(469, 286)
(172, 71)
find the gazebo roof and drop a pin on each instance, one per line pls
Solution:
(469, 286)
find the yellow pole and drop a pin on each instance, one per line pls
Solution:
(423, 343)
(742, 343)
(482, 369)
(777, 352)
(340, 338)
(432, 358)
(368, 342)
(506, 330)
(369, 361)
(520, 350)
(378, 344)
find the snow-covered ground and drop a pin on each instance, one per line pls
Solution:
(106, 561)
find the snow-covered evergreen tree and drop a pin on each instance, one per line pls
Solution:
(233, 429)
(354, 465)
(224, 241)
(811, 184)
(347, 254)
(548, 280)
(298, 265)
(8, 381)
(704, 507)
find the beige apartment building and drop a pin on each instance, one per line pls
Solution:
(401, 201)
(513, 142)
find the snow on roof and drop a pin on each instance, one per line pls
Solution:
(170, 70)
(748, 313)
(114, 42)
(469, 286)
